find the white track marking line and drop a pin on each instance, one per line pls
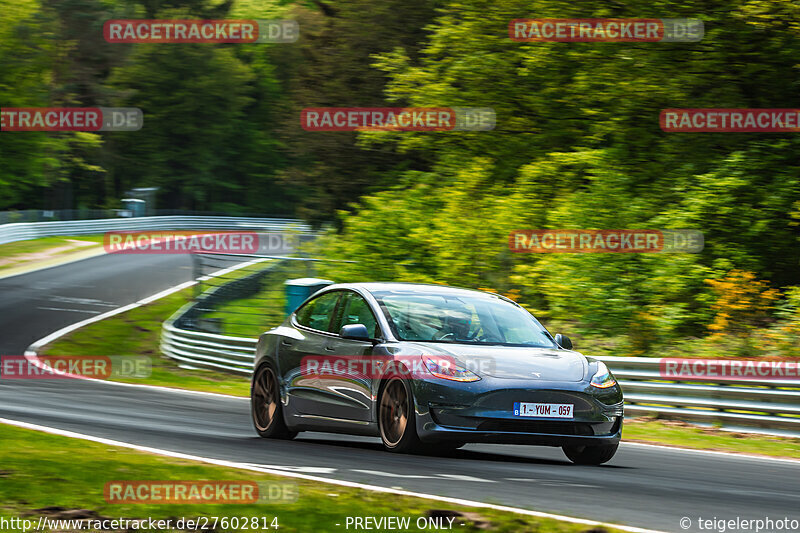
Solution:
(283, 473)
(31, 353)
(119, 310)
(460, 477)
(303, 469)
(144, 301)
(82, 301)
(391, 474)
(91, 312)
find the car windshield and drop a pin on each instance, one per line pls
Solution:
(461, 318)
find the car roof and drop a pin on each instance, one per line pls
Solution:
(411, 288)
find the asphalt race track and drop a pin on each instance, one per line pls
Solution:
(35, 304)
(647, 487)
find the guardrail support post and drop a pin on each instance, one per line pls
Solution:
(196, 274)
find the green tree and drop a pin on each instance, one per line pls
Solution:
(578, 145)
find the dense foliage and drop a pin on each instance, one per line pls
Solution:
(577, 145)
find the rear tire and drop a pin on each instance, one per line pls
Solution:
(396, 420)
(590, 455)
(265, 406)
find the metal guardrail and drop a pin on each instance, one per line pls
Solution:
(43, 215)
(207, 350)
(35, 230)
(210, 350)
(771, 406)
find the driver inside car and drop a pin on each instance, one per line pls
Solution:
(455, 326)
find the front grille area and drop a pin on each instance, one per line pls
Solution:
(451, 418)
(534, 426)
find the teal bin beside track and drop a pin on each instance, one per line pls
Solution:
(297, 290)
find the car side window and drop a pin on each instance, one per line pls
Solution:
(317, 313)
(357, 311)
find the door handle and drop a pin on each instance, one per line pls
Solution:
(330, 348)
(285, 343)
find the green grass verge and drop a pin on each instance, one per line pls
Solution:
(16, 254)
(252, 315)
(675, 433)
(138, 332)
(41, 470)
(255, 315)
(37, 245)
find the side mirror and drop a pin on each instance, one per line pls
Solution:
(563, 341)
(356, 332)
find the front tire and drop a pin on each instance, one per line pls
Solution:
(590, 455)
(396, 420)
(265, 405)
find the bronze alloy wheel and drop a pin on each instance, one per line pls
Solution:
(394, 413)
(265, 398)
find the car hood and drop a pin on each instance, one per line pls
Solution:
(512, 362)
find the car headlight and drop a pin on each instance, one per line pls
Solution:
(447, 368)
(603, 379)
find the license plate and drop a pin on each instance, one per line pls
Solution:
(543, 410)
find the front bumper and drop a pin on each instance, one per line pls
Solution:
(483, 412)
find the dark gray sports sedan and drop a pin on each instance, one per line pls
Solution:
(429, 367)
